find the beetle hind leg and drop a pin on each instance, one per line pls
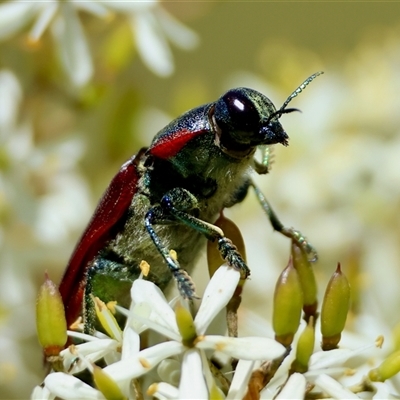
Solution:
(109, 281)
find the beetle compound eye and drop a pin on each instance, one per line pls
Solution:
(235, 111)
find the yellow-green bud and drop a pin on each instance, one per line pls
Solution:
(307, 281)
(106, 385)
(334, 309)
(305, 348)
(288, 302)
(388, 368)
(231, 231)
(185, 324)
(51, 324)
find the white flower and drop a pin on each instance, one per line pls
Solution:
(33, 225)
(162, 319)
(66, 29)
(151, 27)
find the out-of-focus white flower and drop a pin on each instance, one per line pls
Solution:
(151, 27)
(66, 29)
(32, 225)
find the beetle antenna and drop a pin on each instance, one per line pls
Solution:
(283, 109)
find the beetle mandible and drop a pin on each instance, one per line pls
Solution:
(167, 197)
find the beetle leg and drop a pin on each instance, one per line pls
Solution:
(106, 280)
(178, 202)
(186, 286)
(291, 233)
(264, 166)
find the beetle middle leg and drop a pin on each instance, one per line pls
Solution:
(291, 233)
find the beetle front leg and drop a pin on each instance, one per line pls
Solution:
(291, 233)
(185, 284)
(179, 209)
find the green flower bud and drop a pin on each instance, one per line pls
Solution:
(185, 324)
(51, 324)
(334, 309)
(305, 348)
(307, 281)
(396, 336)
(388, 368)
(106, 385)
(288, 302)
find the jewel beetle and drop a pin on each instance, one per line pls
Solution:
(168, 195)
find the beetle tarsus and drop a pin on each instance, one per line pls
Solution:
(231, 255)
(302, 242)
(185, 284)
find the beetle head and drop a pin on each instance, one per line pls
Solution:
(244, 119)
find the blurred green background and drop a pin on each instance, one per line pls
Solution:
(338, 181)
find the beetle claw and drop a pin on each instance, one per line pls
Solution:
(303, 243)
(231, 255)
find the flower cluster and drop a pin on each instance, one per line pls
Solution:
(186, 353)
(184, 365)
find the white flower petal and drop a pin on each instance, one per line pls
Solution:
(178, 33)
(92, 351)
(10, 99)
(130, 344)
(43, 20)
(88, 348)
(334, 372)
(151, 44)
(383, 391)
(68, 387)
(15, 15)
(336, 357)
(246, 348)
(192, 384)
(41, 393)
(216, 296)
(238, 387)
(334, 388)
(130, 6)
(74, 50)
(142, 310)
(161, 313)
(93, 7)
(143, 362)
(295, 388)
